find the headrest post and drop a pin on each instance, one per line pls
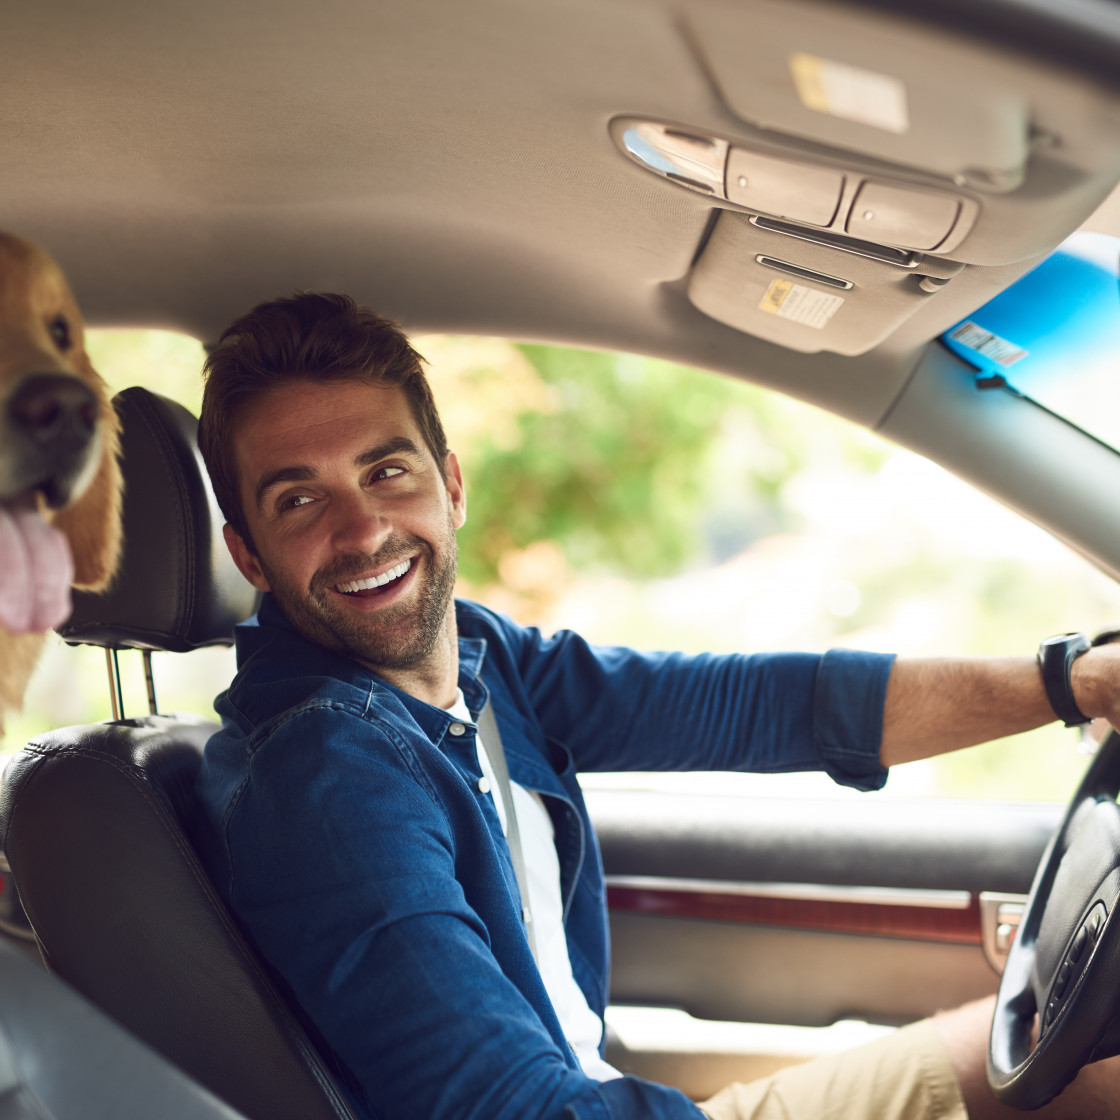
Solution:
(116, 697)
(150, 681)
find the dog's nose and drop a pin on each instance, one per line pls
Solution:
(54, 409)
(51, 420)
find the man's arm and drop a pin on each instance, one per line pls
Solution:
(935, 705)
(615, 708)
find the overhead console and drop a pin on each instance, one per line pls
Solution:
(862, 161)
(835, 196)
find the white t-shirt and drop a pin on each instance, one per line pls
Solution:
(582, 1027)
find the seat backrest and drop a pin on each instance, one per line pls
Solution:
(97, 820)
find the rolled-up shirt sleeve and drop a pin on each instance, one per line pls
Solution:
(619, 709)
(851, 689)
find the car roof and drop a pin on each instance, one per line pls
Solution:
(464, 167)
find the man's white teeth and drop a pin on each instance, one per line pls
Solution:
(376, 581)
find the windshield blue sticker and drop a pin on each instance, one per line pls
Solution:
(991, 346)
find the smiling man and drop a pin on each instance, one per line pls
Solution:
(444, 930)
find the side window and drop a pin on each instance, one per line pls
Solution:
(647, 504)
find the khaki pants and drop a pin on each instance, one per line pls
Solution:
(904, 1076)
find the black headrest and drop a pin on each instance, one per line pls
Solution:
(177, 588)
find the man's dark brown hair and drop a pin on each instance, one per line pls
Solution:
(313, 336)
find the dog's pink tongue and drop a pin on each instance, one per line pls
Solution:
(35, 573)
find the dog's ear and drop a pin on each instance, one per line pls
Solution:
(93, 523)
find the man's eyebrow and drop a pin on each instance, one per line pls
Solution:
(398, 446)
(281, 474)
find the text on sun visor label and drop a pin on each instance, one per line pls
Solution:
(989, 345)
(850, 92)
(799, 304)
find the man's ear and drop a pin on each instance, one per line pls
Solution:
(247, 564)
(456, 490)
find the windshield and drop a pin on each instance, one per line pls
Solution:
(1054, 336)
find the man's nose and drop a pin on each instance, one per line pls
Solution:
(360, 524)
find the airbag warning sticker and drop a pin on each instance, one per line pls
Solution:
(800, 304)
(991, 346)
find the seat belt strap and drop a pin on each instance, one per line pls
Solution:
(492, 745)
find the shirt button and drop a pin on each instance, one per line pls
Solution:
(457, 729)
(484, 784)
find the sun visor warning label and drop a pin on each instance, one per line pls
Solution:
(851, 92)
(800, 304)
(988, 345)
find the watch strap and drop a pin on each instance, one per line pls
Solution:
(1056, 656)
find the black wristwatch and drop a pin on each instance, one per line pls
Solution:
(1056, 656)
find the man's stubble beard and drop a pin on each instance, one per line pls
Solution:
(400, 636)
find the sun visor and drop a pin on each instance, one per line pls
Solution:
(869, 83)
(807, 295)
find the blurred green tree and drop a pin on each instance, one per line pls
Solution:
(612, 468)
(624, 464)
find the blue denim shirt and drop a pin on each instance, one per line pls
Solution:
(347, 831)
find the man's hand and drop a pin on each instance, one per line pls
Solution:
(935, 705)
(1096, 682)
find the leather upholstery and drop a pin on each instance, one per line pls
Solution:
(96, 821)
(96, 826)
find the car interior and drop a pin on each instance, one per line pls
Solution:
(809, 195)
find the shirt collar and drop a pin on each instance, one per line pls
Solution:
(472, 653)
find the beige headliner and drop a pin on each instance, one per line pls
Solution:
(448, 162)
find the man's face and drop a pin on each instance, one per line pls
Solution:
(353, 525)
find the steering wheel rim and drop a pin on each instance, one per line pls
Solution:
(1064, 962)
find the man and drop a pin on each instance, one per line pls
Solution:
(354, 824)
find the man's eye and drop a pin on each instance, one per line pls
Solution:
(386, 472)
(294, 501)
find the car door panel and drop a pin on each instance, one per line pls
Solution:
(803, 913)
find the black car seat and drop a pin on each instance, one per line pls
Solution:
(96, 821)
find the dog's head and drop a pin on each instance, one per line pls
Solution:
(58, 445)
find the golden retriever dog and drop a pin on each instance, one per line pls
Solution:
(60, 482)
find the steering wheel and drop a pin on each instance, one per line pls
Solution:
(1064, 963)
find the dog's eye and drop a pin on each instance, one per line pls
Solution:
(60, 332)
